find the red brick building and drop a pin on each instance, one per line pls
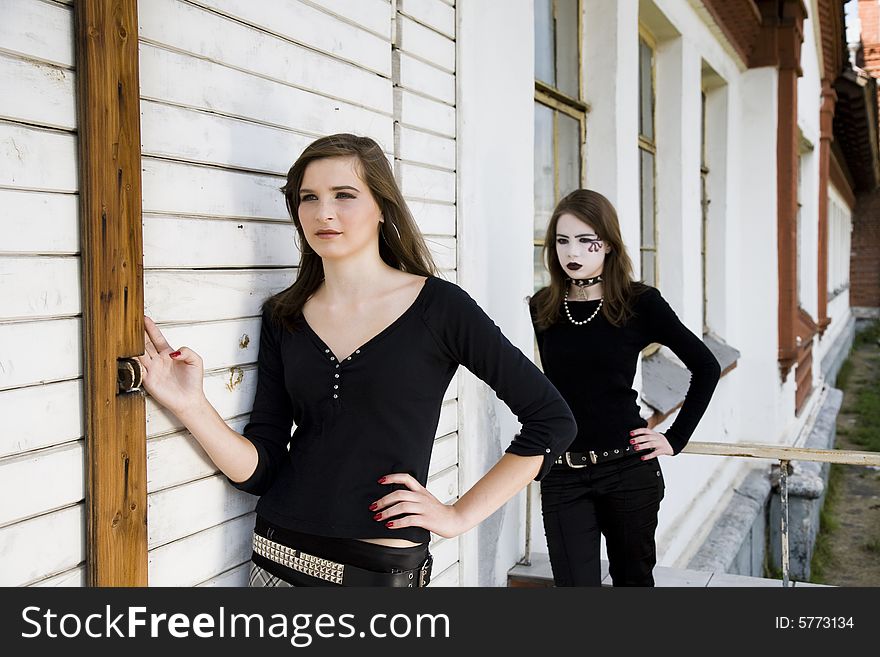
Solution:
(865, 262)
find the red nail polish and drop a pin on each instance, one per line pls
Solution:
(378, 516)
(632, 441)
(389, 524)
(631, 433)
(174, 354)
(373, 506)
(382, 480)
(644, 457)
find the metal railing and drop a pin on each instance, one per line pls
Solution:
(784, 455)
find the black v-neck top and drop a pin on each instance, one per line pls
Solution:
(376, 412)
(593, 365)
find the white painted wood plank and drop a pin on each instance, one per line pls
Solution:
(220, 344)
(37, 29)
(237, 577)
(41, 481)
(177, 459)
(444, 485)
(37, 287)
(449, 578)
(424, 113)
(199, 557)
(230, 392)
(42, 546)
(443, 251)
(425, 148)
(433, 13)
(214, 243)
(416, 75)
(430, 184)
(450, 275)
(426, 44)
(197, 136)
(311, 27)
(205, 85)
(171, 187)
(40, 416)
(74, 577)
(57, 359)
(34, 222)
(445, 453)
(452, 389)
(220, 39)
(191, 508)
(448, 418)
(433, 218)
(445, 553)
(182, 296)
(24, 153)
(43, 93)
(372, 15)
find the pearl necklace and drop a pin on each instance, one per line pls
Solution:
(588, 319)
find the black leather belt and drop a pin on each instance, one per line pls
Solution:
(339, 573)
(583, 459)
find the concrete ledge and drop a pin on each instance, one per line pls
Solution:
(738, 534)
(806, 494)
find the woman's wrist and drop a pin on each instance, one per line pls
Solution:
(193, 409)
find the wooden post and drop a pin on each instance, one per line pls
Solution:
(108, 98)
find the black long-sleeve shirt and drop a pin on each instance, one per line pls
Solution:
(593, 366)
(376, 412)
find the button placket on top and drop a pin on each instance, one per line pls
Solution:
(337, 371)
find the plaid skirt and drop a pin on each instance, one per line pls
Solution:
(261, 578)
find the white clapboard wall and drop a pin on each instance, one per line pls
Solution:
(423, 71)
(231, 93)
(42, 523)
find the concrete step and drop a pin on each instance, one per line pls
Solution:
(539, 574)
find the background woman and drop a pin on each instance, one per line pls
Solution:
(358, 353)
(592, 323)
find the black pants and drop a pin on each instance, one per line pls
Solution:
(620, 500)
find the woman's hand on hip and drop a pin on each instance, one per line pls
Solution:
(645, 439)
(173, 377)
(421, 508)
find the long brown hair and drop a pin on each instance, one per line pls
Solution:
(618, 287)
(401, 244)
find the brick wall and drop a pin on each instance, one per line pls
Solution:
(865, 257)
(865, 261)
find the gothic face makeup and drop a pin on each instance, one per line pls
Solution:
(580, 251)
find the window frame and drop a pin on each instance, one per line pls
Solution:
(561, 103)
(649, 145)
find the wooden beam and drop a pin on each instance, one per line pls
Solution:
(784, 452)
(108, 100)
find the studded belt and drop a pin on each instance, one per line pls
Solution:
(339, 573)
(583, 459)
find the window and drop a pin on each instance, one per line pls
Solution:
(647, 157)
(704, 207)
(560, 114)
(839, 243)
(801, 279)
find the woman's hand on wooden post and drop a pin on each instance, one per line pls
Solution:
(173, 377)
